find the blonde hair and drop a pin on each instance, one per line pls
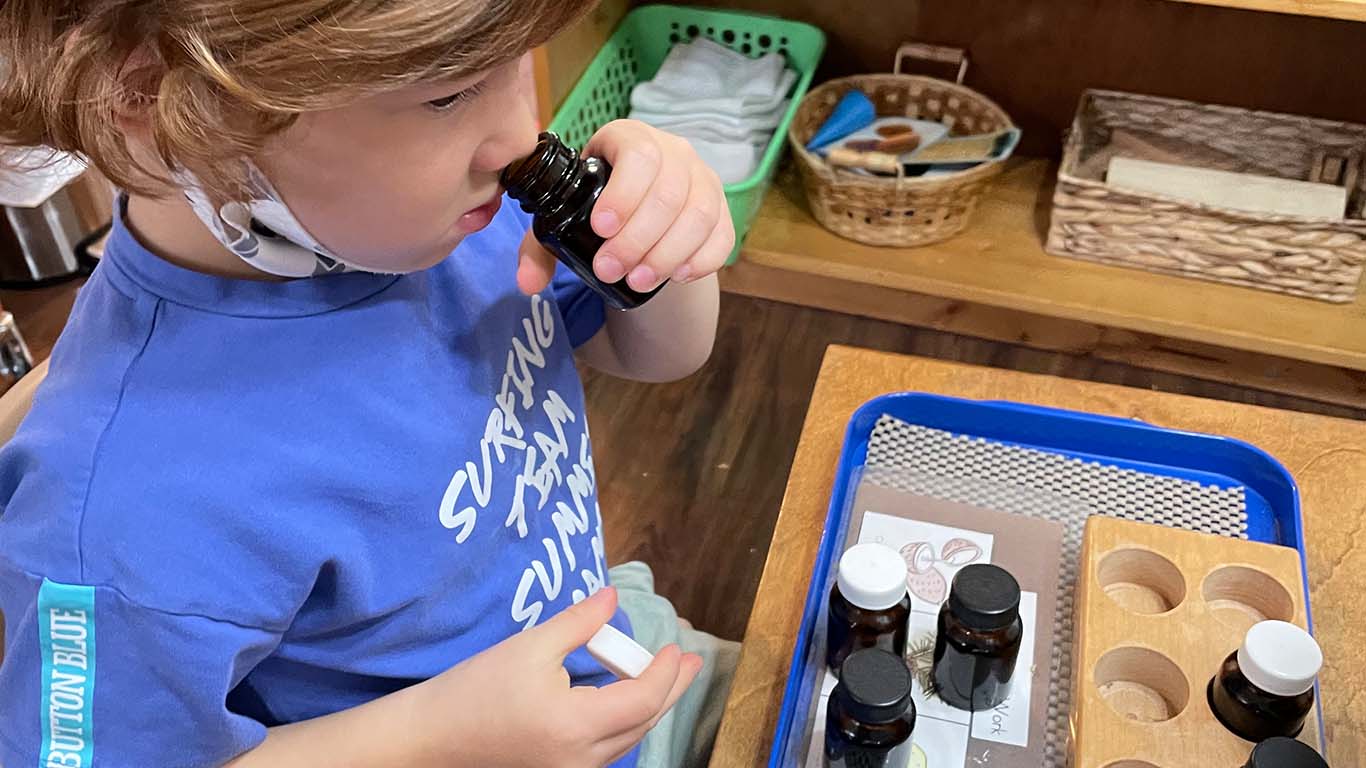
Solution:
(217, 78)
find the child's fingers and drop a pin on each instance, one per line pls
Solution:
(713, 253)
(686, 234)
(626, 705)
(535, 266)
(689, 667)
(636, 157)
(572, 628)
(663, 202)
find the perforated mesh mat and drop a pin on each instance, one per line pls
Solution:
(1026, 481)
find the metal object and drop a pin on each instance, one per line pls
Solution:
(15, 359)
(42, 212)
(47, 235)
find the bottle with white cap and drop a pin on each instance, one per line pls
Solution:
(1266, 687)
(869, 604)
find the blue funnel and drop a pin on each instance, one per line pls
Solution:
(853, 113)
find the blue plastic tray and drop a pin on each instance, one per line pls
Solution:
(1273, 500)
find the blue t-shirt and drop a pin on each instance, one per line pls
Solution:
(237, 504)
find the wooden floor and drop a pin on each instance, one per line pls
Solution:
(691, 474)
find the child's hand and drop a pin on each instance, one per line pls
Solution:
(512, 705)
(664, 213)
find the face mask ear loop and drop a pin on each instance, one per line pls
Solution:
(262, 232)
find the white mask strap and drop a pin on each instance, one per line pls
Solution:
(263, 232)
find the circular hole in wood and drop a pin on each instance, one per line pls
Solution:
(1142, 685)
(1131, 764)
(1141, 581)
(693, 31)
(728, 36)
(1240, 597)
(765, 41)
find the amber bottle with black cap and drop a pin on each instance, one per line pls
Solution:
(978, 640)
(559, 189)
(1284, 752)
(870, 716)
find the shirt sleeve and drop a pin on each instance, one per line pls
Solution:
(583, 310)
(92, 680)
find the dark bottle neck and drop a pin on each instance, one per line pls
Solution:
(877, 732)
(542, 180)
(1249, 711)
(981, 641)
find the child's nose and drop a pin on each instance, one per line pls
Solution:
(510, 144)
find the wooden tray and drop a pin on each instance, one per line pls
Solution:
(1158, 610)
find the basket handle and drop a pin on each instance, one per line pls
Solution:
(936, 53)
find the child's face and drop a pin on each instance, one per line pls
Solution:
(394, 182)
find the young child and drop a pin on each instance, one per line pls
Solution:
(309, 482)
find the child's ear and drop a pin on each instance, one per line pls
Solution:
(139, 80)
(526, 81)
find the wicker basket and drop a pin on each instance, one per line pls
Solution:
(1317, 258)
(902, 211)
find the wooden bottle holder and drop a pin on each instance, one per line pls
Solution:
(1157, 611)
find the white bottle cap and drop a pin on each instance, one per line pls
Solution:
(622, 656)
(872, 576)
(1280, 658)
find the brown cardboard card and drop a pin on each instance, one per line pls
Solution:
(937, 538)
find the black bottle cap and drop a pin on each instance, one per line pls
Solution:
(1281, 752)
(985, 597)
(875, 686)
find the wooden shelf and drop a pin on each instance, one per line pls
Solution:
(1000, 262)
(1352, 10)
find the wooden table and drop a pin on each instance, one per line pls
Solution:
(1327, 457)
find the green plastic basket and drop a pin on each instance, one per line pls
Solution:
(634, 53)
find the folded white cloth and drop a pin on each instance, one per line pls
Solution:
(705, 76)
(716, 126)
(733, 161)
(724, 103)
(732, 152)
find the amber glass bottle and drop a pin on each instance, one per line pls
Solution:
(978, 640)
(869, 604)
(1283, 752)
(1266, 687)
(870, 716)
(559, 188)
